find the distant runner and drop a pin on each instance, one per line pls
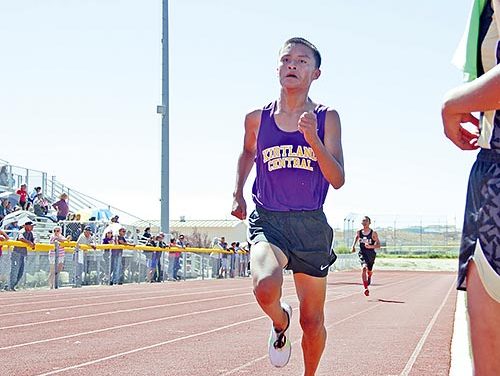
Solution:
(368, 242)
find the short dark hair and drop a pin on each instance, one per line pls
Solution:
(367, 218)
(305, 42)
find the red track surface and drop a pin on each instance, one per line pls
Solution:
(214, 327)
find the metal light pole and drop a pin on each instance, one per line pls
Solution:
(164, 111)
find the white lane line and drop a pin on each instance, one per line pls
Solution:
(461, 357)
(149, 347)
(256, 360)
(57, 297)
(189, 336)
(122, 311)
(117, 302)
(124, 326)
(420, 344)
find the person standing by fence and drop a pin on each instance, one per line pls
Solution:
(55, 239)
(85, 238)
(19, 254)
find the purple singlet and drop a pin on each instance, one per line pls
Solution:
(288, 173)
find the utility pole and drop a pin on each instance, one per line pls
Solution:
(164, 111)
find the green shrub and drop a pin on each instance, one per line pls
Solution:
(342, 249)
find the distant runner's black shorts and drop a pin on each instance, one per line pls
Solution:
(367, 257)
(304, 237)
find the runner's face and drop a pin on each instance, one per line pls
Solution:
(297, 67)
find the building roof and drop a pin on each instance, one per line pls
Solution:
(199, 223)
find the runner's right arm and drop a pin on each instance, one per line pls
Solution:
(245, 163)
(354, 243)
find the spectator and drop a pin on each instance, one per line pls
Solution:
(114, 226)
(40, 205)
(117, 257)
(243, 260)
(55, 239)
(85, 238)
(12, 229)
(159, 254)
(3, 237)
(93, 225)
(73, 227)
(146, 236)
(108, 239)
(6, 179)
(23, 197)
(8, 207)
(32, 195)
(181, 243)
(223, 258)
(233, 260)
(18, 255)
(3, 209)
(62, 207)
(151, 259)
(171, 260)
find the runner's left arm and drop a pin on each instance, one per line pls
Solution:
(376, 241)
(329, 153)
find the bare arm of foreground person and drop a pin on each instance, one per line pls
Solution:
(482, 94)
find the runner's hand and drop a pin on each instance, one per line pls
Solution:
(455, 131)
(239, 208)
(308, 126)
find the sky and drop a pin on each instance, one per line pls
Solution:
(80, 82)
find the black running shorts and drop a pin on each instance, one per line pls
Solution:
(304, 237)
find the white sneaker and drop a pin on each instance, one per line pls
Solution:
(280, 346)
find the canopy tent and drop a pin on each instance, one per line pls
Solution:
(98, 214)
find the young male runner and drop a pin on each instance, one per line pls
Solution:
(295, 144)
(368, 242)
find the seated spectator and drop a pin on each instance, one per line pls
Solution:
(3, 209)
(32, 195)
(8, 207)
(40, 205)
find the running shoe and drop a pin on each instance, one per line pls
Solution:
(280, 346)
(367, 292)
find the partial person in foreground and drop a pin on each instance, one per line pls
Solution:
(368, 243)
(479, 260)
(296, 146)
